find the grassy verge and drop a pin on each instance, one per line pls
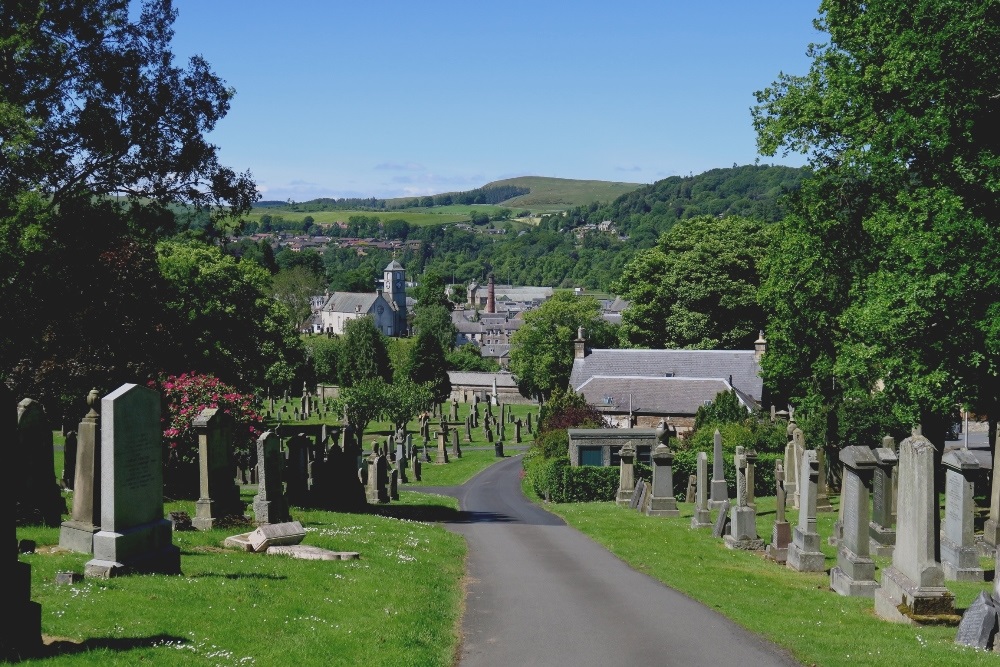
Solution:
(398, 604)
(794, 609)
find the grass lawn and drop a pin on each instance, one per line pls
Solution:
(794, 609)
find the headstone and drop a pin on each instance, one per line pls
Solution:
(77, 533)
(394, 484)
(978, 627)
(721, 527)
(517, 431)
(134, 535)
(662, 501)
(822, 496)
(378, 479)
(799, 445)
(804, 554)
(468, 428)
(913, 589)
(743, 519)
(881, 532)
(442, 450)
(751, 462)
(991, 529)
(626, 474)
(454, 409)
(416, 469)
(854, 574)
(70, 446)
(702, 517)
(269, 505)
(37, 496)
(959, 554)
(638, 495)
(274, 534)
(529, 423)
(781, 532)
(219, 495)
(719, 490)
(692, 489)
(21, 630)
(456, 450)
(498, 449)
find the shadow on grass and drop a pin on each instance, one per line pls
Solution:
(57, 647)
(438, 514)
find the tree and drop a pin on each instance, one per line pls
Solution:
(436, 320)
(880, 284)
(431, 291)
(428, 366)
(541, 351)
(404, 400)
(697, 288)
(295, 288)
(93, 104)
(361, 404)
(470, 358)
(225, 321)
(364, 355)
(325, 353)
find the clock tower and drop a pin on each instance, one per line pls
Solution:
(394, 288)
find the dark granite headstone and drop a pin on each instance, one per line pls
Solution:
(979, 623)
(721, 527)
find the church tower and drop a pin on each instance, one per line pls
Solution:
(394, 289)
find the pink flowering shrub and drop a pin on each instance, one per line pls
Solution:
(186, 395)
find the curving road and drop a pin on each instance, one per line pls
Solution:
(540, 593)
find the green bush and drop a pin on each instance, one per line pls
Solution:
(559, 482)
(760, 436)
(686, 464)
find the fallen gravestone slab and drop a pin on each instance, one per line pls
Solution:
(274, 534)
(307, 552)
(721, 528)
(979, 623)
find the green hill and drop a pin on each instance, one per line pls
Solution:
(557, 194)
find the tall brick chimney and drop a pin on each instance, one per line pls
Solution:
(491, 300)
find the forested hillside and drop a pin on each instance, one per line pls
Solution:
(563, 249)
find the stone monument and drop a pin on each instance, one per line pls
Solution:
(626, 474)
(720, 492)
(220, 496)
(269, 505)
(881, 533)
(77, 533)
(702, 516)
(662, 501)
(781, 532)
(854, 574)
(134, 535)
(804, 554)
(743, 518)
(959, 554)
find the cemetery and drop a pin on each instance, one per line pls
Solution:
(117, 524)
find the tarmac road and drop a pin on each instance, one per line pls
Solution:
(540, 593)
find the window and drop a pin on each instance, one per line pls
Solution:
(591, 456)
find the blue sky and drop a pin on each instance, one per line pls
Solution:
(361, 98)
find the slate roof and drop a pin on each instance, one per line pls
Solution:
(652, 395)
(393, 266)
(347, 302)
(494, 351)
(705, 364)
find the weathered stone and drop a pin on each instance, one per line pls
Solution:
(854, 574)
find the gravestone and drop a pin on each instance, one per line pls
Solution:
(959, 554)
(638, 495)
(220, 496)
(134, 535)
(702, 517)
(781, 531)
(692, 489)
(854, 574)
(37, 496)
(21, 630)
(662, 501)
(799, 445)
(416, 469)
(719, 490)
(743, 519)
(529, 423)
(456, 450)
(991, 529)
(269, 505)
(394, 484)
(881, 533)
(804, 554)
(454, 409)
(77, 533)
(978, 627)
(626, 474)
(722, 525)
(498, 449)
(791, 463)
(442, 450)
(468, 428)
(751, 461)
(378, 479)
(70, 446)
(517, 431)
(913, 589)
(822, 496)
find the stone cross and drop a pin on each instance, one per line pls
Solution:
(743, 518)
(740, 461)
(799, 446)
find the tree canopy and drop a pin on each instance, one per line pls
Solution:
(882, 290)
(364, 355)
(541, 350)
(697, 288)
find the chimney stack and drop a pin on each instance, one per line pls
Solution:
(491, 301)
(759, 347)
(580, 344)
